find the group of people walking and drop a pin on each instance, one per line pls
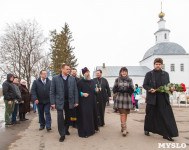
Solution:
(17, 99)
(85, 98)
(81, 102)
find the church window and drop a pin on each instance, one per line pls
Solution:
(181, 67)
(172, 67)
(165, 36)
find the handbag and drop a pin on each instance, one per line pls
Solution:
(137, 97)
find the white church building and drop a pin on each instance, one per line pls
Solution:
(175, 58)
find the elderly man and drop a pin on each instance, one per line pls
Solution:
(103, 96)
(64, 96)
(87, 110)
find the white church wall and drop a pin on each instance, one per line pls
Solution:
(161, 36)
(149, 62)
(177, 76)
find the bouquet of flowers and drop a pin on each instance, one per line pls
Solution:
(167, 88)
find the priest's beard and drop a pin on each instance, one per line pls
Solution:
(88, 77)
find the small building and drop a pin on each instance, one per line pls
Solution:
(137, 73)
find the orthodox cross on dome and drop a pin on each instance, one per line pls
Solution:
(161, 14)
(162, 35)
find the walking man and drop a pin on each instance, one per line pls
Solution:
(103, 96)
(74, 111)
(159, 115)
(40, 92)
(64, 96)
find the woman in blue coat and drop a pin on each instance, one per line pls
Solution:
(136, 92)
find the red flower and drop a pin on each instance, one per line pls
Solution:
(184, 87)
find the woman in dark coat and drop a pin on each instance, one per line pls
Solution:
(24, 107)
(123, 87)
(87, 109)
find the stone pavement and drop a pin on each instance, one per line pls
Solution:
(109, 137)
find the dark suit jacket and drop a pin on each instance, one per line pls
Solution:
(149, 83)
(41, 92)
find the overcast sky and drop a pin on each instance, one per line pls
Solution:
(114, 32)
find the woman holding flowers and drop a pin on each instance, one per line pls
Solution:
(159, 115)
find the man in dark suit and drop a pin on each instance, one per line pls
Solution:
(64, 96)
(103, 96)
(40, 92)
(159, 115)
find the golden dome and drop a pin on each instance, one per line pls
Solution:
(161, 15)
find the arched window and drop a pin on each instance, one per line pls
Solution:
(156, 38)
(165, 36)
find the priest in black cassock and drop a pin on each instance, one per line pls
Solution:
(159, 115)
(87, 122)
(103, 96)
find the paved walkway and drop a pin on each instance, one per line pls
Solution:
(109, 137)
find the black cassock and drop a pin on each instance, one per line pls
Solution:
(102, 97)
(160, 118)
(87, 110)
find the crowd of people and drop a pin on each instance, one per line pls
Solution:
(81, 103)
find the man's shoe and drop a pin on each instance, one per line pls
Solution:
(41, 128)
(146, 133)
(62, 138)
(67, 132)
(168, 138)
(48, 129)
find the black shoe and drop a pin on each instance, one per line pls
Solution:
(41, 128)
(146, 133)
(9, 124)
(48, 129)
(62, 138)
(67, 132)
(168, 138)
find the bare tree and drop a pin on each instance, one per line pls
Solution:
(22, 49)
(43, 64)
